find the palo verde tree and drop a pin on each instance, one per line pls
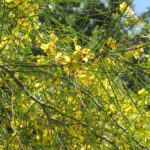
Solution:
(73, 76)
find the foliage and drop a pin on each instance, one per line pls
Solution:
(73, 76)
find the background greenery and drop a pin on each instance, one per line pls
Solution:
(73, 75)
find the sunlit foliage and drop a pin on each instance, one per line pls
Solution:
(64, 88)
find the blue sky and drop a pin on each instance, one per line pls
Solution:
(141, 6)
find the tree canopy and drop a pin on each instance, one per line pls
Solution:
(74, 75)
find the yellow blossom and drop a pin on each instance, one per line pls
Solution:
(8, 1)
(111, 43)
(58, 56)
(67, 59)
(142, 92)
(77, 47)
(49, 48)
(53, 37)
(123, 6)
(85, 59)
(37, 85)
(38, 137)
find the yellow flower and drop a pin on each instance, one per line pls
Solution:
(67, 59)
(111, 43)
(38, 137)
(44, 46)
(59, 56)
(123, 6)
(51, 45)
(11, 14)
(8, 1)
(142, 92)
(37, 85)
(85, 59)
(48, 48)
(77, 47)
(53, 37)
